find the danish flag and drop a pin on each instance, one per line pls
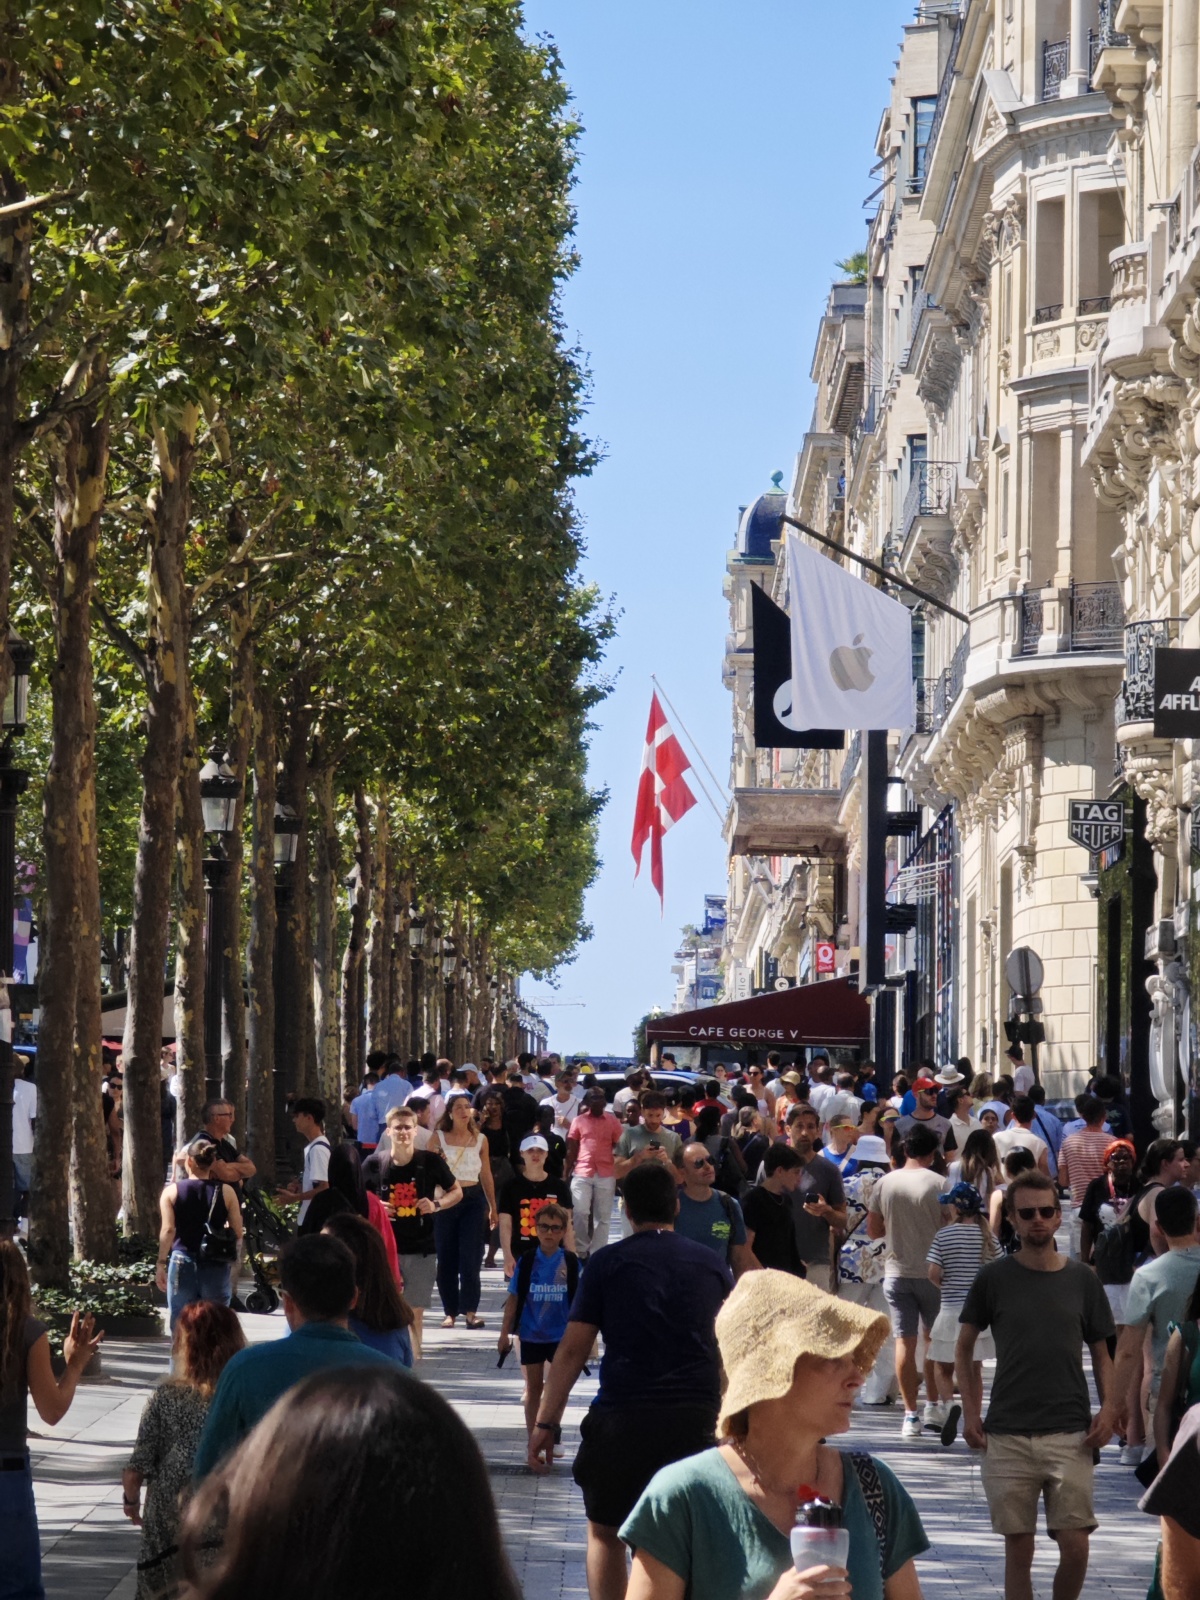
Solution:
(663, 795)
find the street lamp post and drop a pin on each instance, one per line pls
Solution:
(449, 962)
(218, 803)
(416, 940)
(13, 783)
(287, 843)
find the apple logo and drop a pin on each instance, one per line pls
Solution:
(848, 666)
(782, 706)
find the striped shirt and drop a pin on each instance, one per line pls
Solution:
(958, 1250)
(1081, 1159)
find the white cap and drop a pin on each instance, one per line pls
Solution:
(534, 1142)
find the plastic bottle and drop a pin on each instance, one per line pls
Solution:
(818, 1538)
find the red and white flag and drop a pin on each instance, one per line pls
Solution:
(663, 795)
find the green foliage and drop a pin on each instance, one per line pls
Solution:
(854, 268)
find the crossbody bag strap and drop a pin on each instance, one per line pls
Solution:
(871, 1485)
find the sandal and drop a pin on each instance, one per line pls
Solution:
(448, 1322)
(475, 1322)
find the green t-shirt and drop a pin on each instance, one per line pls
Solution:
(696, 1518)
(635, 1139)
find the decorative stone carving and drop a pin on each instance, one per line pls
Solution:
(1150, 770)
(991, 129)
(1088, 334)
(1045, 344)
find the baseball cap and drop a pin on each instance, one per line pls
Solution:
(534, 1142)
(869, 1092)
(791, 1077)
(925, 1083)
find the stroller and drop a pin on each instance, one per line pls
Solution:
(266, 1234)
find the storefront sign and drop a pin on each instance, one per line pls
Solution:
(1177, 694)
(826, 956)
(1096, 824)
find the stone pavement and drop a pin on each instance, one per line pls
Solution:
(90, 1550)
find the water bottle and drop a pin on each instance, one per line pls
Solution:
(818, 1538)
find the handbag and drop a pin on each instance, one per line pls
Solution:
(218, 1244)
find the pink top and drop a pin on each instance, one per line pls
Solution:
(377, 1216)
(597, 1138)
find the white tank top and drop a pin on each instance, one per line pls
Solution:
(465, 1160)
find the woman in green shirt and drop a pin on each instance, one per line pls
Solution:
(717, 1525)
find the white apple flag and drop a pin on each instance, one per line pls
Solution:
(851, 648)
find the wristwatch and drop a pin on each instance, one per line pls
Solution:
(550, 1427)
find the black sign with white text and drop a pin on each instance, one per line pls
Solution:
(1096, 824)
(1177, 694)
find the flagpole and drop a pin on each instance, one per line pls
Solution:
(872, 566)
(716, 783)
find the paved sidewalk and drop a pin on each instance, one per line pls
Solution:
(90, 1550)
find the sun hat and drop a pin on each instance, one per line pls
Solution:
(871, 1148)
(947, 1076)
(965, 1196)
(772, 1319)
(534, 1142)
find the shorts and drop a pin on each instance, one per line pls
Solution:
(1019, 1469)
(944, 1337)
(418, 1273)
(913, 1303)
(622, 1448)
(1117, 1295)
(535, 1355)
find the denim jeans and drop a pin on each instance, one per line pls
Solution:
(189, 1279)
(458, 1234)
(20, 1555)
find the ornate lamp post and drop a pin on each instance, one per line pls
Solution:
(13, 783)
(218, 802)
(416, 942)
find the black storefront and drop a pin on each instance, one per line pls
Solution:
(1127, 883)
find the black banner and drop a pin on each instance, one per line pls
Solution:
(1177, 694)
(773, 684)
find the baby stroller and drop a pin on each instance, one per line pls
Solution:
(266, 1234)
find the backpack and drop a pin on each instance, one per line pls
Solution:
(525, 1279)
(727, 1207)
(1114, 1254)
(729, 1178)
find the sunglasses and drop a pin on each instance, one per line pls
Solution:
(1027, 1213)
(698, 1165)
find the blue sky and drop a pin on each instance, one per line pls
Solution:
(725, 159)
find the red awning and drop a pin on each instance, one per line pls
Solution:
(832, 1012)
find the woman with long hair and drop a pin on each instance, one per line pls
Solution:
(25, 1370)
(955, 1257)
(749, 1137)
(380, 1317)
(206, 1335)
(186, 1208)
(348, 1192)
(342, 1455)
(459, 1231)
(979, 1165)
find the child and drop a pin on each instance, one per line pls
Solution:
(955, 1256)
(540, 1292)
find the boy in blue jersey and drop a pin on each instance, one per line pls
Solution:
(539, 1299)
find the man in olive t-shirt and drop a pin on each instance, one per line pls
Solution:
(1039, 1436)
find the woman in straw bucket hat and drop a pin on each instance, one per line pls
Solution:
(716, 1526)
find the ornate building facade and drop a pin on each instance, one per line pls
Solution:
(1006, 417)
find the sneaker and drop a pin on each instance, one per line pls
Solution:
(1131, 1455)
(950, 1426)
(934, 1416)
(910, 1428)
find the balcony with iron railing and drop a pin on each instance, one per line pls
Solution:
(1093, 621)
(949, 684)
(1135, 701)
(1056, 54)
(850, 763)
(930, 494)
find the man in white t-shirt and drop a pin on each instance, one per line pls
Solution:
(843, 1102)
(1020, 1132)
(1023, 1078)
(308, 1117)
(24, 1114)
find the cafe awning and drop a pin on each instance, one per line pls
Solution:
(832, 1012)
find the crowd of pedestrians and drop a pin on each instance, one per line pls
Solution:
(749, 1257)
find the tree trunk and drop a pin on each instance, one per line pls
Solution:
(353, 1056)
(93, 1198)
(238, 755)
(295, 1044)
(326, 872)
(398, 1027)
(378, 961)
(79, 460)
(191, 977)
(168, 518)
(260, 1091)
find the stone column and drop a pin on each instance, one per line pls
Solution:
(1078, 77)
(1066, 504)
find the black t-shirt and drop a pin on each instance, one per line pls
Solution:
(655, 1298)
(769, 1217)
(520, 1115)
(226, 1151)
(522, 1200)
(400, 1190)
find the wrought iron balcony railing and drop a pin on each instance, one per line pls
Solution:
(1135, 703)
(930, 493)
(1096, 305)
(1031, 621)
(950, 682)
(1097, 616)
(1056, 62)
(1047, 314)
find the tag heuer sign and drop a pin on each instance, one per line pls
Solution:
(1095, 824)
(1177, 694)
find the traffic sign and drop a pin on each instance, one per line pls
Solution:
(1024, 971)
(1096, 824)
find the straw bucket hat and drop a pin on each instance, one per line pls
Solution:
(772, 1319)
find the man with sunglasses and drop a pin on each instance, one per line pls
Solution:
(1039, 1436)
(709, 1217)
